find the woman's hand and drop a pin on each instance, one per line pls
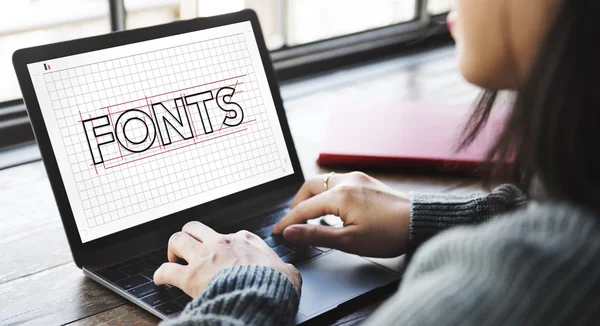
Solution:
(207, 252)
(376, 218)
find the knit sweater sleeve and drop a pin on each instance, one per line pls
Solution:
(433, 213)
(243, 295)
(536, 266)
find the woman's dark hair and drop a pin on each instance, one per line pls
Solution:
(554, 125)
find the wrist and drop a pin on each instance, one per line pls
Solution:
(248, 278)
(402, 221)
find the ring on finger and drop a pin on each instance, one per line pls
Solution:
(326, 181)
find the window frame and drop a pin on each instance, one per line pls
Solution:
(289, 62)
(14, 124)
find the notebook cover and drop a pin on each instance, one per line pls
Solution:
(405, 136)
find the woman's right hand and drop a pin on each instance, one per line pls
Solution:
(376, 217)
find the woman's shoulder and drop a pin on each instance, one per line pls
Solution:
(538, 231)
(536, 266)
(558, 220)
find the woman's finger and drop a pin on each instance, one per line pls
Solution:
(182, 245)
(315, 186)
(200, 231)
(319, 205)
(318, 235)
(170, 273)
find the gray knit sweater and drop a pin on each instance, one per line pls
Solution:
(538, 265)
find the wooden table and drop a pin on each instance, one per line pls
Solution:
(40, 284)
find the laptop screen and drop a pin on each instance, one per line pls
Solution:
(144, 130)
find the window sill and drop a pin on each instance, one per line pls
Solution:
(18, 155)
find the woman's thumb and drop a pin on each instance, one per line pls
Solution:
(315, 235)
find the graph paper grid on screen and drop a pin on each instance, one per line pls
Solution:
(152, 132)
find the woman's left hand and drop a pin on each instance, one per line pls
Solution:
(207, 252)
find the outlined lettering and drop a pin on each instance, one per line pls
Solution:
(165, 119)
(129, 138)
(94, 144)
(235, 114)
(193, 100)
(136, 130)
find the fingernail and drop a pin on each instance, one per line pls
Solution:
(190, 223)
(274, 229)
(155, 273)
(175, 235)
(292, 234)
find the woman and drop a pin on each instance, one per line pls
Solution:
(537, 264)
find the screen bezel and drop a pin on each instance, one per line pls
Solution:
(23, 57)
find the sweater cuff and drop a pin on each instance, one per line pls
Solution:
(253, 294)
(433, 213)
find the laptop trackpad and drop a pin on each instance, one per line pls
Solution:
(336, 278)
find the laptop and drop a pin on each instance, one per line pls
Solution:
(144, 130)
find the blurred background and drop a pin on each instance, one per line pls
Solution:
(286, 23)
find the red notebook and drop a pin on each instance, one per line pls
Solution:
(407, 136)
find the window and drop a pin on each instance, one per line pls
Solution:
(142, 13)
(437, 7)
(286, 23)
(308, 35)
(336, 17)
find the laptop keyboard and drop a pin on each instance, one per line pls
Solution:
(135, 275)
(289, 253)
